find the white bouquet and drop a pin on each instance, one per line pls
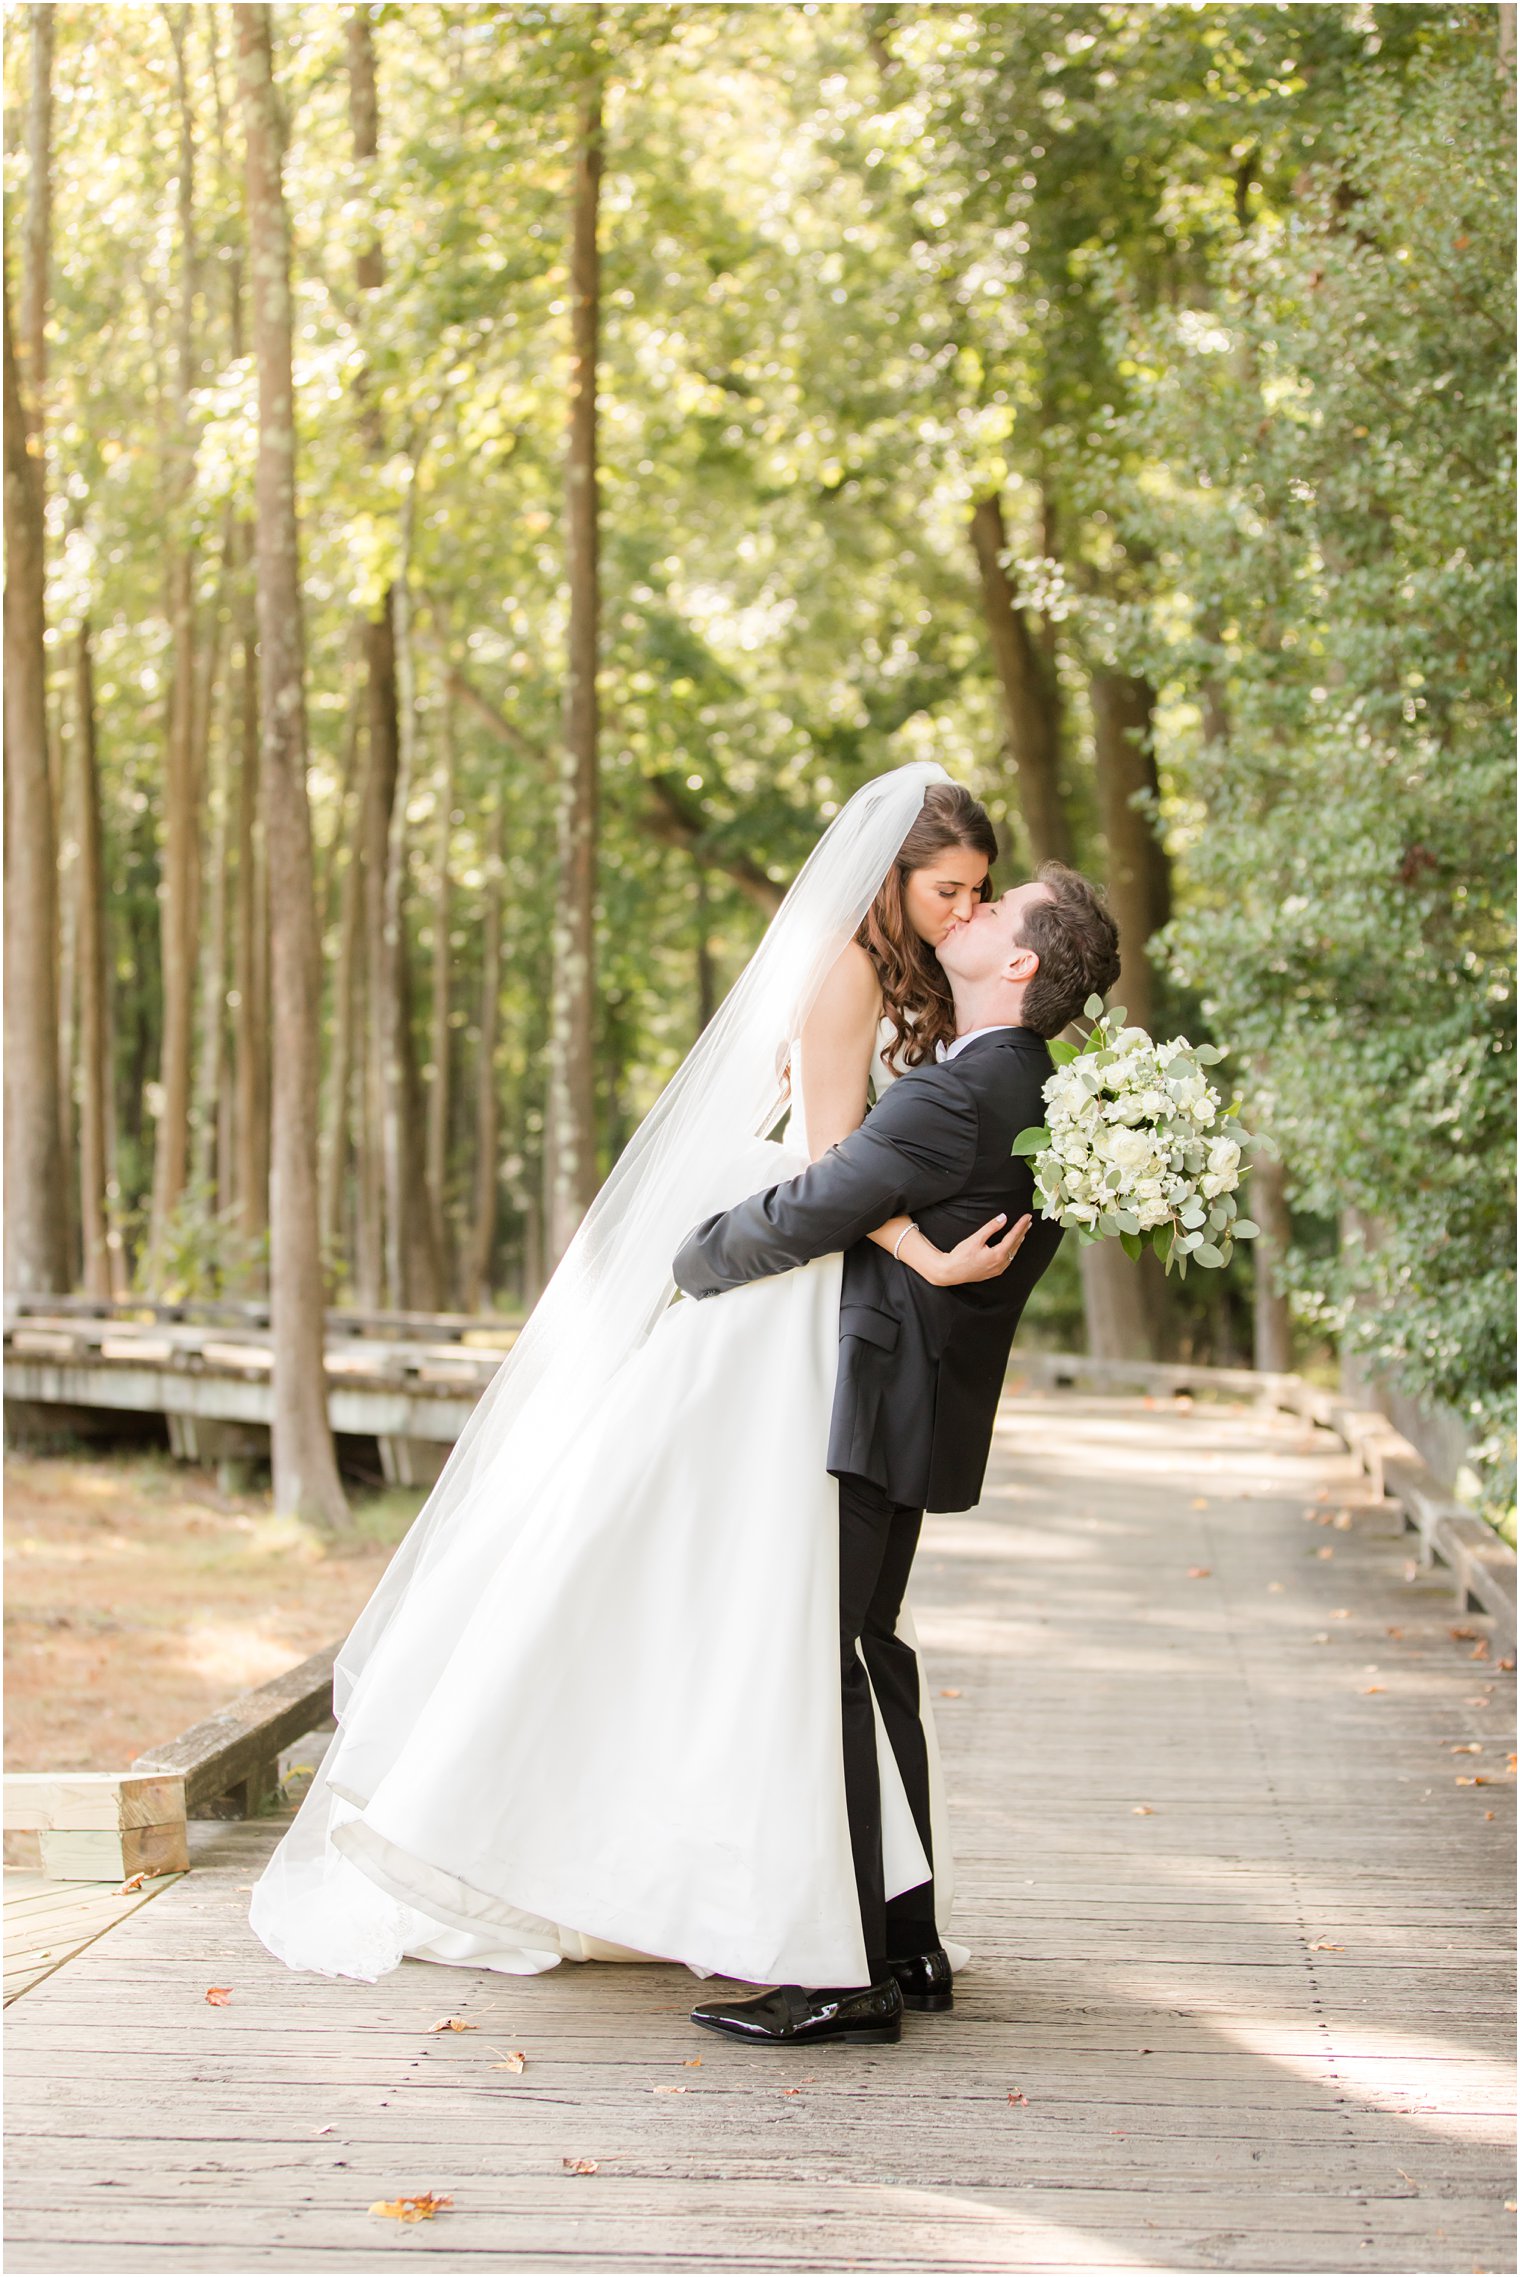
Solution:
(1140, 1144)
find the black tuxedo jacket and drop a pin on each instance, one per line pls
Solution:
(920, 1368)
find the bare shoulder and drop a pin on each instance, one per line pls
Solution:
(851, 990)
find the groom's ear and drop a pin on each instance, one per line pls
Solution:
(1023, 963)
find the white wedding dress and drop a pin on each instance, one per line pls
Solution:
(630, 1747)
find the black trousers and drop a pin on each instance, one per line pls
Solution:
(877, 1539)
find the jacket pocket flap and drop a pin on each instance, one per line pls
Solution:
(870, 1323)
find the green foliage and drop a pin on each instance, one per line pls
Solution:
(1218, 301)
(1329, 493)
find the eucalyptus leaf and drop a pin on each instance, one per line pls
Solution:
(1207, 1254)
(1132, 1245)
(1034, 1140)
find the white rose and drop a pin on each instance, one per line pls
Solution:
(1132, 1153)
(1222, 1171)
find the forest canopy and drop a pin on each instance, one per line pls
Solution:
(696, 411)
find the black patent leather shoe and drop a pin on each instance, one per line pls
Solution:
(926, 1981)
(792, 2017)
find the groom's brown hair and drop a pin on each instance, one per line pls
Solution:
(1077, 942)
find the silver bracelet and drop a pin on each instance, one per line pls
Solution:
(910, 1227)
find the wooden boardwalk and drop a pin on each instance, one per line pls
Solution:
(1234, 1821)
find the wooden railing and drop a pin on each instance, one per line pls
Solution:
(1482, 1565)
(99, 1825)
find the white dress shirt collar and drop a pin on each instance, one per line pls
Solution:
(948, 1051)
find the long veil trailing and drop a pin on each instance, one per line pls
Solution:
(695, 1151)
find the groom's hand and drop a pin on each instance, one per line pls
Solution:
(979, 1257)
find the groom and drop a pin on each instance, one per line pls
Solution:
(920, 1371)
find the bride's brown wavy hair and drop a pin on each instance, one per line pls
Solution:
(913, 984)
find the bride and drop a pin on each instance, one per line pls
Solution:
(592, 1710)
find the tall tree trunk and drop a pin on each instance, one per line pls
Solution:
(216, 772)
(90, 956)
(570, 1136)
(336, 1147)
(1273, 1318)
(379, 1024)
(65, 772)
(1030, 705)
(179, 896)
(306, 1482)
(1116, 1311)
(37, 222)
(250, 1033)
(440, 1039)
(36, 1256)
(1131, 1306)
(395, 1246)
(477, 1278)
(1138, 874)
(412, 1259)
(707, 980)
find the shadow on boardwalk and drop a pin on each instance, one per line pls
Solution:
(1240, 1921)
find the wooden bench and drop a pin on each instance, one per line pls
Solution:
(96, 1826)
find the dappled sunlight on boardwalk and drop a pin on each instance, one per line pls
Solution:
(1232, 1803)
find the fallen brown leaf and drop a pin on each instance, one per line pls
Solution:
(1015, 2097)
(578, 2165)
(1479, 1650)
(327, 2130)
(791, 2091)
(1461, 1636)
(1466, 1747)
(1199, 1572)
(1477, 1780)
(1323, 1945)
(1374, 1687)
(667, 2091)
(133, 1882)
(453, 2024)
(1325, 1550)
(1393, 1632)
(950, 1692)
(422, 2208)
(1141, 1810)
(218, 1995)
(1341, 1613)
(512, 2060)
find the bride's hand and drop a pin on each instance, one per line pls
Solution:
(980, 1257)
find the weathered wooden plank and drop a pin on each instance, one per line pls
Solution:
(1289, 2091)
(244, 1738)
